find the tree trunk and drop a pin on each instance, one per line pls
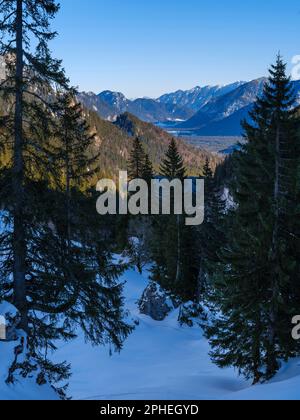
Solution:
(68, 192)
(257, 351)
(19, 241)
(276, 194)
(200, 282)
(272, 364)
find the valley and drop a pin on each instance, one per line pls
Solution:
(214, 144)
(222, 145)
(205, 117)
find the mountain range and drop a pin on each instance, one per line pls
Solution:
(222, 115)
(114, 139)
(197, 97)
(110, 105)
(201, 111)
(173, 107)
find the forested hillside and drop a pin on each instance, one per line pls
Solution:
(113, 142)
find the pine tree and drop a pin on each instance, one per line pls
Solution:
(255, 280)
(207, 171)
(147, 172)
(136, 160)
(209, 234)
(172, 166)
(21, 21)
(281, 98)
(62, 272)
(76, 160)
(175, 267)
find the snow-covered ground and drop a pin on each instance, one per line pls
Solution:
(22, 389)
(161, 360)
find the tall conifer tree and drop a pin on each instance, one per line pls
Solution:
(175, 266)
(62, 277)
(172, 166)
(29, 75)
(255, 283)
(148, 172)
(136, 160)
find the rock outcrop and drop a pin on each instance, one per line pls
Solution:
(155, 302)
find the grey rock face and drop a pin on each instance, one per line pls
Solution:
(155, 303)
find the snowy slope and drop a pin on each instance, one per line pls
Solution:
(160, 360)
(23, 389)
(285, 386)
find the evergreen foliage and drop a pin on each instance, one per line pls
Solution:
(147, 172)
(136, 160)
(255, 285)
(172, 166)
(173, 248)
(56, 262)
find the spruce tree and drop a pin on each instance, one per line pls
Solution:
(136, 160)
(207, 171)
(209, 234)
(172, 166)
(175, 266)
(29, 74)
(76, 159)
(62, 271)
(255, 281)
(147, 171)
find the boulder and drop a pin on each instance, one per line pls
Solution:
(155, 302)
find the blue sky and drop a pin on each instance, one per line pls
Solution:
(149, 47)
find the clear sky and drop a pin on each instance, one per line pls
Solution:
(149, 47)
